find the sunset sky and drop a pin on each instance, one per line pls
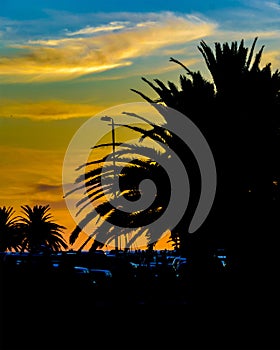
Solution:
(61, 62)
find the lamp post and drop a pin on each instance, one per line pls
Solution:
(111, 120)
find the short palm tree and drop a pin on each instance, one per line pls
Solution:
(10, 238)
(39, 231)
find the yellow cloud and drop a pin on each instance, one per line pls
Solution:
(272, 57)
(68, 58)
(54, 109)
(149, 69)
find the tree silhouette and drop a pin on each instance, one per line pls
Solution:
(131, 173)
(39, 231)
(133, 163)
(10, 238)
(238, 112)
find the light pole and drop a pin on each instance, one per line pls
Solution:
(110, 119)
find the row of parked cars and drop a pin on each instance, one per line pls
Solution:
(97, 272)
(56, 270)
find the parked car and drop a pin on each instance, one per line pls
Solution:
(177, 261)
(101, 278)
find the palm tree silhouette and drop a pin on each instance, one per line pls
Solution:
(237, 113)
(230, 112)
(39, 231)
(247, 104)
(10, 238)
(131, 172)
(134, 171)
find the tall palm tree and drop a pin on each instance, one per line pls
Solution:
(10, 238)
(247, 104)
(186, 97)
(218, 110)
(39, 231)
(238, 112)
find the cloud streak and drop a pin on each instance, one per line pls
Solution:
(42, 110)
(71, 57)
(104, 28)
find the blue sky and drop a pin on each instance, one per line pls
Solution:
(63, 61)
(34, 9)
(27, 26)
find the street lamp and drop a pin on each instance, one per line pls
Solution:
(111, 120)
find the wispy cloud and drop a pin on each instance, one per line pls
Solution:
(112, 26)
(42, 110)
(272, 4)
(71, 57)
(263, 5)
(46, 187)
(149, 69)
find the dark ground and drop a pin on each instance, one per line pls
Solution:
(221, 311)
(45, 319)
